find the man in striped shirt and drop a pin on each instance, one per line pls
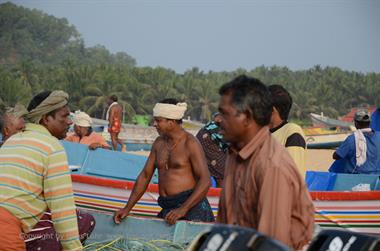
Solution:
(34, 175)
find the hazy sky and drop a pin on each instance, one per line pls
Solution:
(226, 35)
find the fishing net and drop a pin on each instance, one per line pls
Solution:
(122, 244)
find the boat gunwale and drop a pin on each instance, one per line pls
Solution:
(215, 192)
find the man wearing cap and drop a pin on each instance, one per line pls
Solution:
(182, 170)
(359, 153)
(83, 133)
(13, 121)
(375, 120)
(35, 177)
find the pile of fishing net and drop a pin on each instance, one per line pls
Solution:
(122, 244)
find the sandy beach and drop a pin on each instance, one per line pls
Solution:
(319, 159)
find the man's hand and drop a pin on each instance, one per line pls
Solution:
(93, 146)
(120, 215)
(174, 215)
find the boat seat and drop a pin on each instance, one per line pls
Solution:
(105, 163)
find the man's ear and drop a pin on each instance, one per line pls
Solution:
(246, 117)
(6, 131)
(274, 110)
(45, 119)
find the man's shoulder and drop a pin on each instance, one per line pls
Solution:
(278, 156)
(191, 140)
(293, 128)
(158, 142)
(44, 141)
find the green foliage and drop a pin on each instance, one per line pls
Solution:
(40, 52)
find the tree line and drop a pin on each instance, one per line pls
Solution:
(41, 52)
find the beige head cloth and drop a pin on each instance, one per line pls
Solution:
(55, 100)
(170, 111)
(82, 119)
(18, 111)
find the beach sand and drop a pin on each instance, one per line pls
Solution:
(319, 159)
(316, 159)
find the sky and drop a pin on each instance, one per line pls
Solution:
(226, 35)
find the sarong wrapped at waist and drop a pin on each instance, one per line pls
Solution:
(200, 212)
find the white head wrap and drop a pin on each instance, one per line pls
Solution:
(82, 119)
(170, 111)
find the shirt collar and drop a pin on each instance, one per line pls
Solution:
(37, 128)
(254, 143)
(272, 130)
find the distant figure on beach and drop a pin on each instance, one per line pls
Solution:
(35, 177)
(115, 117)
(13, 121)
(83, 133)
(375, 120)
(263, 188)
(288, 134)
(182, 170)
(359, 153)
(215, 148)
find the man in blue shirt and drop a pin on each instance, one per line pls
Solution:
(360, 152)
(375, 120)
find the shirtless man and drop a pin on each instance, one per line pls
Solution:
(184, 178)
(115, 117)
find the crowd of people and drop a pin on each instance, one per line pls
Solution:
(250, 148)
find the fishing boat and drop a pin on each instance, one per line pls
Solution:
(326, 140)
(323, 121)
(102, 187)
(141, 233)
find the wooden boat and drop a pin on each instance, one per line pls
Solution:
(325, 141)
(148, 231)
(106, 187)
(323, 121)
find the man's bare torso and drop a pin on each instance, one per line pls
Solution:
(116, 111)
(173, 162)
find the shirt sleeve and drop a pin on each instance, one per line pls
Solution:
(58, 193)
(274, 206)
(346, 148)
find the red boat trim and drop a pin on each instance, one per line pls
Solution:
(121, 184)
(215, 192)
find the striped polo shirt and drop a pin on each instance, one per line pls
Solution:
(34, 176)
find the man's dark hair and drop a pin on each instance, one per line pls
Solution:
(171, 101)
(282, 100)
(114, 98)
(37, 100)
(251, 96)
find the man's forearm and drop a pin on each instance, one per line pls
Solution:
(137, 192)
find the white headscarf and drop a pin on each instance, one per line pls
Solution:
(361, 146)
(170, 111)
(82, 119)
